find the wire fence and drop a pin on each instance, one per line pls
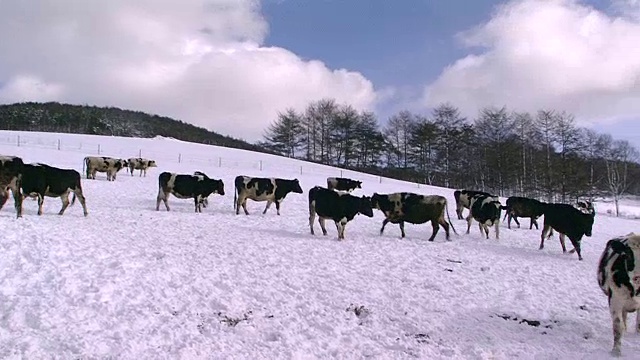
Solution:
(269, 163)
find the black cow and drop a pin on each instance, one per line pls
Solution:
(569, 221)
(343, 184)
(10, 178)
(486, 210)
(186, 187)
(518, 206)
(339, 207)
(40, 180)
(619, 279)
(399, 208)
(463, 199)
(263, 189)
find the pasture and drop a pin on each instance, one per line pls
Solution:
(130, 282)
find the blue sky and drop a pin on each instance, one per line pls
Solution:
(260, 57)
(401, 44)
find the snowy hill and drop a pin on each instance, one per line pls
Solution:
(132, 283)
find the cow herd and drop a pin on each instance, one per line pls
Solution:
(618, 275)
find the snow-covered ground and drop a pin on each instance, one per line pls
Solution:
(128, 282)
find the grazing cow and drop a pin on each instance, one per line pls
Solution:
(104, 164)
(343, 184)
(619, 279)
(569, 221)
(339, 207)
(40, 180)
(486, 210)
(186, 187)
(263, 189)
(524, 207)
(10, 179)
(140, 164)
(463, 199)
(399, 208)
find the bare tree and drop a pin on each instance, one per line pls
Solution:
(618, 156)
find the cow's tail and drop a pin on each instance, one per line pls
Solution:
(235, 198)
(506, 213)
(85, 166)
(446, 208)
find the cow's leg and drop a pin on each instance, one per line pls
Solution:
(436, 226)
(445, 225)
(17, 201)
(312, 218)
(277, 207)
(244, 206)
(508, 220)
(65, 202)
(384, 223)
(196, 199)
(469, 219)
(162, 197)
(459, 211)
(3, 199)
(515, 218)
(615, 307)
(78, 193)
(576, 247)
(496, 224)
(267, 207)
(533, 222)
(564, 248)
(321, 222)
(545, 231)
(402, 234)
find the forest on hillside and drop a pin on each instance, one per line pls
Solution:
(93, 120)
(544, 155)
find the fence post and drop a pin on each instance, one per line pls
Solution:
(179, 158)
(301, 170)
(58, 144)
(98, 149)
(18, 140)
(140, 153)
(220, 161)
(260, 165)
(340, 172)
(380, 179)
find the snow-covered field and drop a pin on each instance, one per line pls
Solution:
(128, 282)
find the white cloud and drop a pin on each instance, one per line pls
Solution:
(555, 54)
(200, 61)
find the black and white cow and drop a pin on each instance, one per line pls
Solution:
(10, 179)
(399, 208)
(186, 187)
(486, 210)
(343, 184)
(463, 199)
(271, 190)
(40, 180)
(205, 200)
(141, 164)
(105, 164)
(619, 279)
(569, 221)
(339, 207)
(518, 206)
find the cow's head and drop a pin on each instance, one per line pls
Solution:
(375, 200)
(364, 206)
(152, 163)
(123, 163)
(295, 186)
(220, 186)
(585, 207)
(358, 184)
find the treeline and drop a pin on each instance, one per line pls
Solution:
(543, 155)
(65, 118)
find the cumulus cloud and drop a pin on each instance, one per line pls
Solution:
(201, 61)
(555, 54)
